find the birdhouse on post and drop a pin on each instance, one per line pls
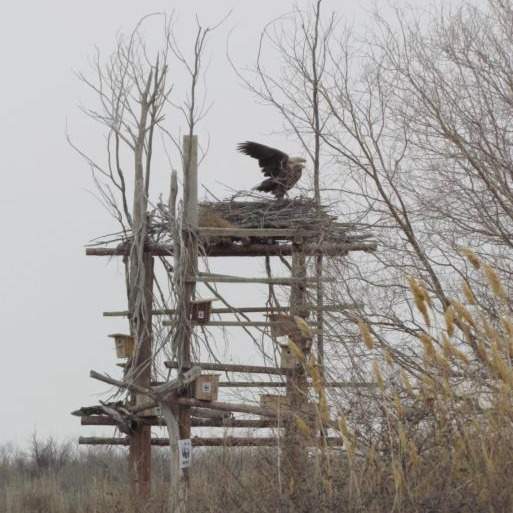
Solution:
(287, 358)
(125, 345)
(200, 310)
(206, 387)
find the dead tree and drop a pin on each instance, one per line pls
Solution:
(133, 92)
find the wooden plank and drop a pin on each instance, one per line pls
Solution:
(230, 324)
(264, 233)
(229, 367)
(251, 384)
(231, 407)
(247, 250)
(281, 384)
(224, 278)
(229, 441)
(247, 309)
(104, 420)
(272, 384)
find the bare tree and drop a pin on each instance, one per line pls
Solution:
(134, 95)
(416, 118)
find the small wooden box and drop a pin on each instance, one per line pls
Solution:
(200, 310)
(125, 345)
(206, 387)
(274, 402)
(287, 357)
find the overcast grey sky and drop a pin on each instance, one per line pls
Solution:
(52, 296)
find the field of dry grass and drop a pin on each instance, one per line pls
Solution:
(436, 436)
(60, 478)
(452, 472)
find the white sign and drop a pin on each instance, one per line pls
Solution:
(185, 451)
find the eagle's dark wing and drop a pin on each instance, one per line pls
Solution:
(270, 159)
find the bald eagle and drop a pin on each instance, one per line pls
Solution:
(283, 172)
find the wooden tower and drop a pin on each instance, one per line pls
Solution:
(294, 229)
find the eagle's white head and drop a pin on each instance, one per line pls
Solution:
(297, 163)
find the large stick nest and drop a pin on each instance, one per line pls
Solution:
(296, 213)
(300, 214)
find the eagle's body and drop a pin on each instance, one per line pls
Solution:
(283, 172)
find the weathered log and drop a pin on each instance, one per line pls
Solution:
(249, 250)
(229, 367)
(231, 407)
(224, 278)
(262, 233)
(197, 441)
(104, 420)
(156, 392)
(230, 324)
(250, 309)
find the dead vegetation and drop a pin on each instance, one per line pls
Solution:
(437, 441)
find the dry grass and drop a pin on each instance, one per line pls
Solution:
(438, 438)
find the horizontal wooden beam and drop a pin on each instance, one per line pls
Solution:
(230, 367)
(231, 407)
(252, 384)
(246, 250)
(224, 278)
(282, 384)
(248, 309)
(226, 324)
(234, 324)
(229, 441)
(264, 233)
(271, 384)
(104, 420)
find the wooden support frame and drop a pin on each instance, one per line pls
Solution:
(195, 413)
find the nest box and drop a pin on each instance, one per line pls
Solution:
(287, 358)
(206, 387)
(200, 310)
(125, 345)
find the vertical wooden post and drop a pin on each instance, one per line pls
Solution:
(295, 456)
(139, 458)
(190, 247)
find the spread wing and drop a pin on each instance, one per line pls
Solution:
(269, 159)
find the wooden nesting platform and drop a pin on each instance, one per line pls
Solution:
(256, 228)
